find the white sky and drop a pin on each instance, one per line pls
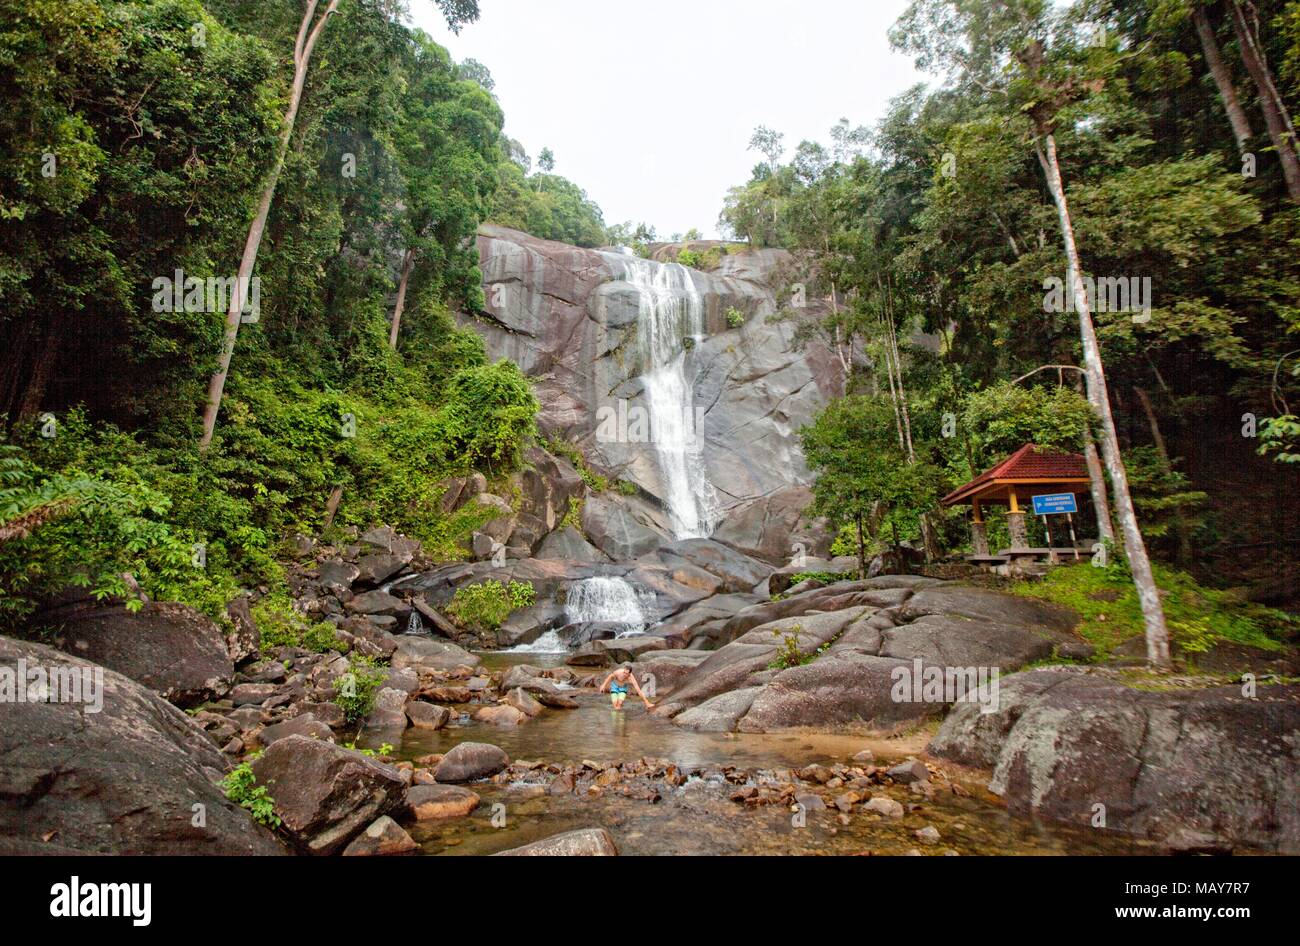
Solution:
(648, 105)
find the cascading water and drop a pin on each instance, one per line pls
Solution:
(607, 600)
(670, 311)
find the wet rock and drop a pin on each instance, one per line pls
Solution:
(810, 802)
(384, 837)
(555, 700)
(719, 713)
(886, 807)
(324, 794)
(170, 648)
(866, 755)
(629, 648)
(590, 654)
(501, 715)
(404, 679)
(520, 700)
(585, 842)
(469, 761)
(436, 802)
(907, 772)
(123, 780)
(527, 624)
(427, 715)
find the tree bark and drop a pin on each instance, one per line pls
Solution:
(862, 549)
(1222, 78)
(1153, 616)
(1276, 116)
(307, 36)
(408, 263)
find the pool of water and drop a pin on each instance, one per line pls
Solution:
(699, 817)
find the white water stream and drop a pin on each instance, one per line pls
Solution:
(670, 311)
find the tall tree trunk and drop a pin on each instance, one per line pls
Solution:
(1276, 116)
(862, 548)
(408, 263)
(1181, 526)
(307, 36)
(1153, 615)
(1222, 78)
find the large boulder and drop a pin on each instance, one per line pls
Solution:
(172, 649)
(615, 531)
(128, 778)
(1196, 769)
(469, 761)
(324, 794)
(567, 544)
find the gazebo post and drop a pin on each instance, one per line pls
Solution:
(978, 531)
(1016, 524)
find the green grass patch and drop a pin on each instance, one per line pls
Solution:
(1199, 618)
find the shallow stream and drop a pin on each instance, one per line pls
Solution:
(699, 817)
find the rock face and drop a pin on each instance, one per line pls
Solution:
(1195, 769)
(326, 794)
(124, 780)
(169, 648)
(569, 318)
(856, 639)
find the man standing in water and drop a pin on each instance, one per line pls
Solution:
(617, 682)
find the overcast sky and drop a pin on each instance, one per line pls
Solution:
(648, 105)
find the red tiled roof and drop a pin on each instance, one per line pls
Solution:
(1027, 463)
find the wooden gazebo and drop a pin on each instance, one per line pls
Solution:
(1028, 472)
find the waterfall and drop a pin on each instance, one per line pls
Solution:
(608, 600)
(669, 311)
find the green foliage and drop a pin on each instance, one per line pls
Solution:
(1004, 417)
(1198, 617)
(357, 688)
(281, 626)
(240, 786)
(486, 604)
(488, 416)
(546, 205)
(788, 652)
(863, 478)
(735, 318)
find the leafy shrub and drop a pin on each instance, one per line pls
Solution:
(489, 414)
(240, 786)
(281, 626)
(788, 653)
(735, 318)
(487, 604)
(357, 688)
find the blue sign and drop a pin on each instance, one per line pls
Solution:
(1052, 503)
